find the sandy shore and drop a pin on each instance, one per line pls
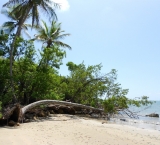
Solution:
(73, 130)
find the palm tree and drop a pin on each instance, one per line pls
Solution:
(10, 26)
(51, 35)
(25, 8)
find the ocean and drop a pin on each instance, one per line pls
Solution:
(142, 121)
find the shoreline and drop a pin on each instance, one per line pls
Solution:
(150, 123)
(74, 130)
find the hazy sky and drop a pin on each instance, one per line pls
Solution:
(121, 34)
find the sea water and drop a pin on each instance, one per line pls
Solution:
(141, 121)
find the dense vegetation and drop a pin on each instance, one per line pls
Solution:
(0, 109)
(29, 73)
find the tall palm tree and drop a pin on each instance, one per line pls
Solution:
(25, 8)
(51, 35)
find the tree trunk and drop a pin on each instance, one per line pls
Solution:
(44, 102)
(16, 113)
(21, 22)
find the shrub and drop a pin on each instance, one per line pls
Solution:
(0, 109)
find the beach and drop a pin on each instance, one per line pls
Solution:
(75, 130)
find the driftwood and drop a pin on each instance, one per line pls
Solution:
(153, 115)
(17, 113)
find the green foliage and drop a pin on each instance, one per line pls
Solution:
(0, 109)
(89, 81)
(3, 41)
(141, 101)
(51, 57)
(85, 84)
(71, 66)
(4, 79)
(36, 78)
(32, 81)
(114, 104)
(6, 42)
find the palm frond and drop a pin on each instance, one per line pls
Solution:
(46, 7)
(15, 14)
(54, 33)
(59, 43)
(27, 25)
(4, 12)
(24, 27)
(13, 2)
(40, 37)
(8, 14)
(35, 15)
(62, 36)
(9, 27)
(27, 34)
(53, 29)
(44, 27)
(8, 24)
(19, 10)
(42, 34)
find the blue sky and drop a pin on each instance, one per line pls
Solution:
(121, 34)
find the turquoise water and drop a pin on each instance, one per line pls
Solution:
(144, 110)
(142, 121)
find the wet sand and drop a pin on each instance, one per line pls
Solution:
(74, 130)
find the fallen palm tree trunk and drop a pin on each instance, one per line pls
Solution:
(44, 102)
(17, 114)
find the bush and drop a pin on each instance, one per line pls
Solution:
(112, 104)
(0, 109)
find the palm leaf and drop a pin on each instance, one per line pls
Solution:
(14, 13)
(44, 28)
(59, 43)
(49, 10)
(26, 26)
(9, 27)
(13, 2)
(27, 33)
(62, 36)
(35, 15)
(8, 24)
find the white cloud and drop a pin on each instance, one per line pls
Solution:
(63, 3)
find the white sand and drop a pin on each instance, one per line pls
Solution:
(73, 130)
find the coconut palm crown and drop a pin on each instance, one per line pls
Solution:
(34, 7)
(10, 26)
(51, 35)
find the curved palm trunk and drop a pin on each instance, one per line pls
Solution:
(57, 102)
(16, 113)
(21, 22)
